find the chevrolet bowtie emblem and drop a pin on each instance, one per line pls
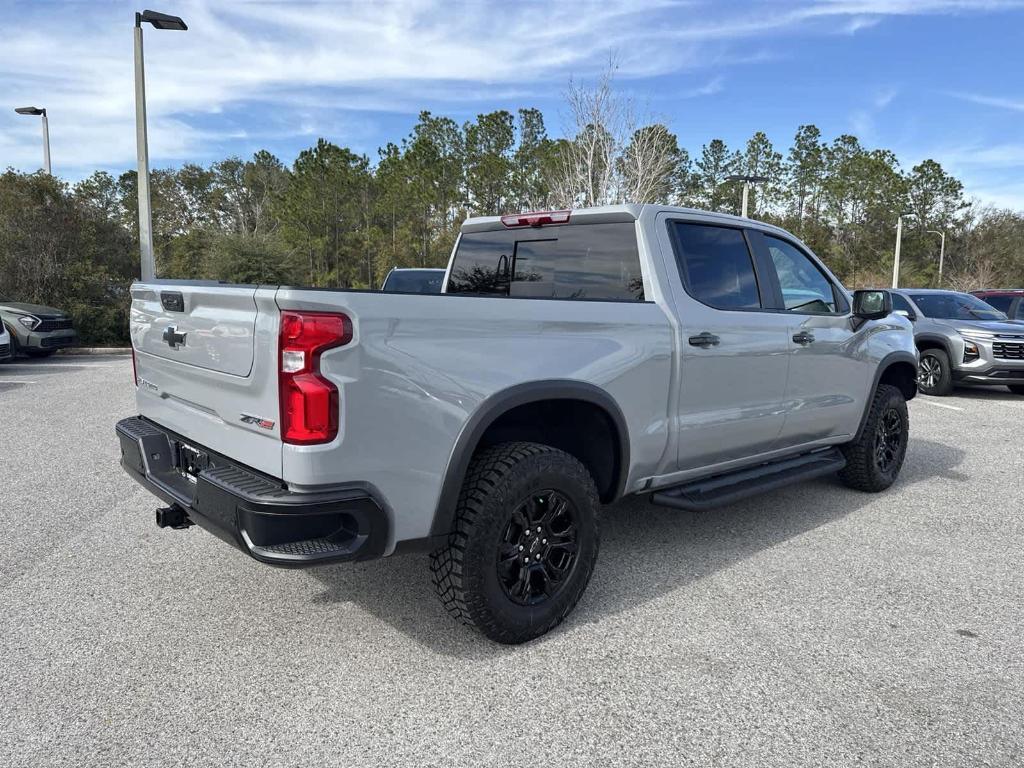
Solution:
(173, 338)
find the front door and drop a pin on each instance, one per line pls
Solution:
(828, 376)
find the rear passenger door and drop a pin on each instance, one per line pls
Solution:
(827, 375)
(735, 351)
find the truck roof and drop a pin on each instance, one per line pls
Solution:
(621, 212)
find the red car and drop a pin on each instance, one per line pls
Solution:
(1008, 300)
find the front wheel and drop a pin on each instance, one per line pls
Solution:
(524, 545)
(874, 460)
(934, 374)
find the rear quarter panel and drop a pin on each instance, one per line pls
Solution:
(419, 366)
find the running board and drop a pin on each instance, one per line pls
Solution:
(733, 486)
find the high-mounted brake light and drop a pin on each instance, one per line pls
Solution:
(535, 219)
(309, 402)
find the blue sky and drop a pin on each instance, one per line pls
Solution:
(925, 78)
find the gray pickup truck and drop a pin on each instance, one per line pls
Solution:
(572, 359)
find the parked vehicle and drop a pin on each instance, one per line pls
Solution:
(573, 359)
(408, 280)
(962, 340)
(6, 349)
(1010, 301)
(37, 330)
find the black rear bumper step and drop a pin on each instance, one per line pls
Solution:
(710, 492)
(253, 512)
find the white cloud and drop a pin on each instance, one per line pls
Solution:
(289, 68)
(1001, 102)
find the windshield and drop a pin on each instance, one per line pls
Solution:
(955, 306)
(414, 281)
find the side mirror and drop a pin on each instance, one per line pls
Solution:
(871, 305)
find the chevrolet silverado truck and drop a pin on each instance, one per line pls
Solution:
(572, 359)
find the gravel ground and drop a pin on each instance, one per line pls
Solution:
(812, 626)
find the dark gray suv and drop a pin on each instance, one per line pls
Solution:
(35, 329)
(962, 340)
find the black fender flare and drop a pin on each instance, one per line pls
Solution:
(500, 403)
(900, 356)
(935, 338)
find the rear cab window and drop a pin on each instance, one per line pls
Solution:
(574, 261)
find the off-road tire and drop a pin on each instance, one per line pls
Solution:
(465, 570)
(1017, 389)
(863, 471)
(944, 383)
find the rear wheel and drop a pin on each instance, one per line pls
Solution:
(934, 374)
(1017, 389)
(524, 544)
(874, 460)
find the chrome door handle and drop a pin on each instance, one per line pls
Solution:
(803, 338)
(704, 340)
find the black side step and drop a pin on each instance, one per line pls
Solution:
(733, 486)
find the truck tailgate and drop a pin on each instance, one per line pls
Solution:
(201, 372)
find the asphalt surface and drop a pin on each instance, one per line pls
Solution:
(812, 626)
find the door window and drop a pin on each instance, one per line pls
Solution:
(805, 288)
(900, 303)
(716, 266)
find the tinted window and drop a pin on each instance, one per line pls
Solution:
(414, 281)
(581, 261)
(804, 287)
(1002, 303)
(898, 302)
(955, 306)
(716, 266)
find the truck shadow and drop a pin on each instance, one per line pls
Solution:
(987, 393)
(646, 552)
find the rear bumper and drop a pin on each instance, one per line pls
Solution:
(251, 511)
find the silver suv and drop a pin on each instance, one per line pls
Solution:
(573, 358)
(962, 340)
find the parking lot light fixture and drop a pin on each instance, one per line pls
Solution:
(159, 21)
(896, 255)
(41, 112)
(942, 251)
(747, 182)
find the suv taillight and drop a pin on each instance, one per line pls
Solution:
(309, 402)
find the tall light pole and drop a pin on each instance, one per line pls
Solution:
(159, 21)
(747, 181)
(942, 251)
(896, 257)
(46, 133)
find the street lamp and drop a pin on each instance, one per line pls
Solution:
(942, 250)
(747, 181)
(46, 132)
(896, 256)
(159, 21)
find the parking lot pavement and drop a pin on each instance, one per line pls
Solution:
(812, 626)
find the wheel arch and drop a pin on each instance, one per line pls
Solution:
(933, 341)
(530, 399)
(897, 368)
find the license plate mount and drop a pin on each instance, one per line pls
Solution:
(191, 461)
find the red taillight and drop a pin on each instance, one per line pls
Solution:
(309, 402)
(535, 219)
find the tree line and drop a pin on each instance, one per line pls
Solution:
(336, 218)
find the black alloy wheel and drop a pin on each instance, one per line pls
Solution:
(537, 552)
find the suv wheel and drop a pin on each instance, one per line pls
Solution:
(873, 462)
(1017, 389)
(934, 374)
(524, 544)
